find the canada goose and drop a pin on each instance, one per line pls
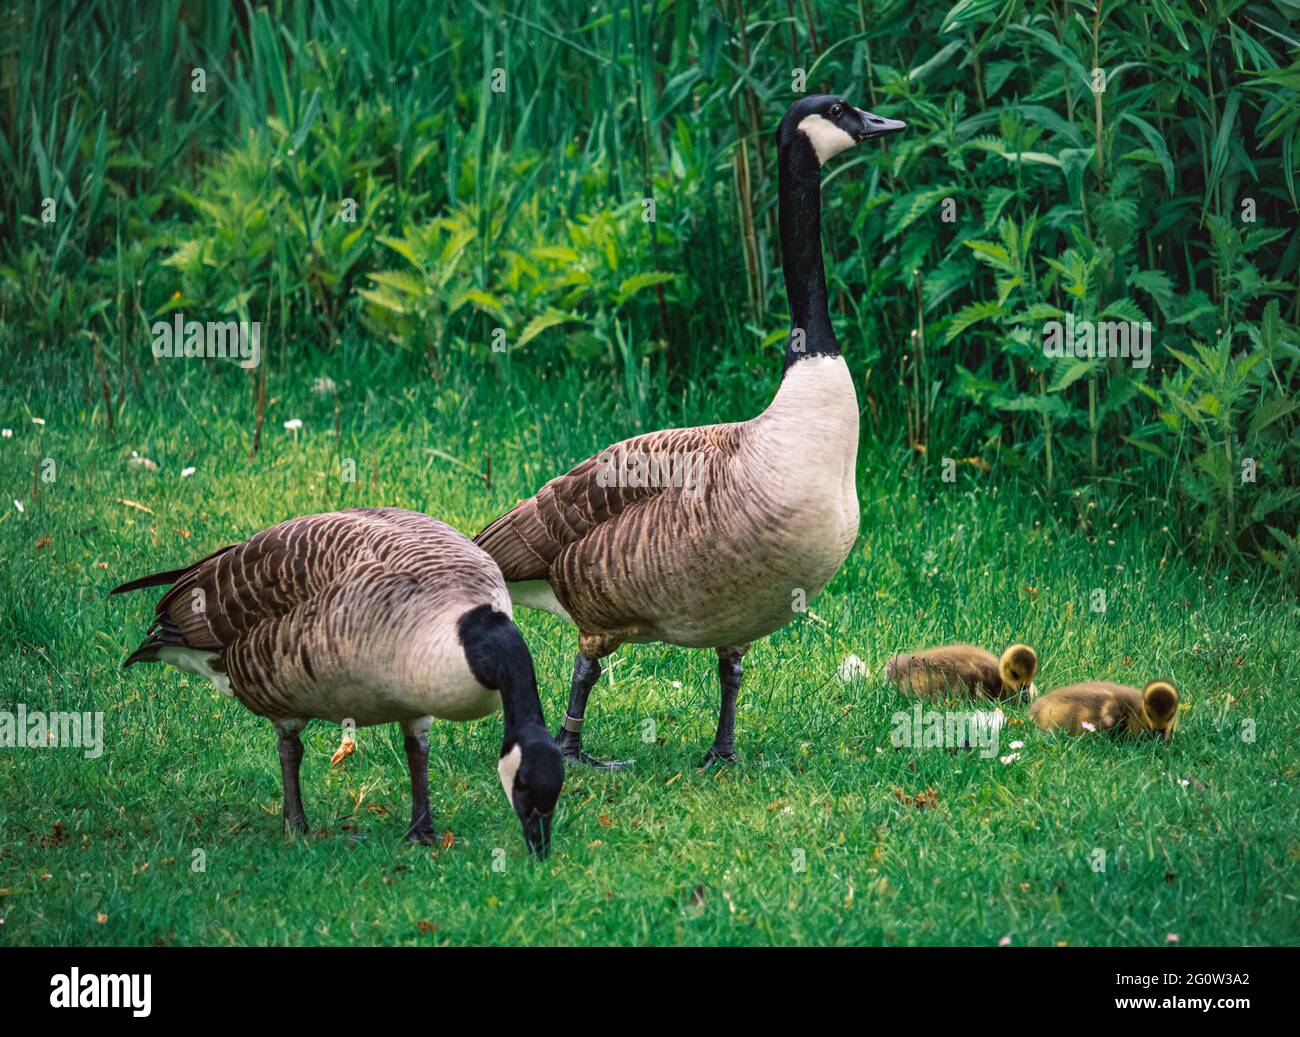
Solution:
(711, 537)
(1103, 706)
(962, 669)
(370, 615)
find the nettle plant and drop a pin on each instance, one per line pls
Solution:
(417, 302)
(1077, 185)
(1081, 405)
(450, 289)
(282, 224)
(1231, 411)
(1225, 417)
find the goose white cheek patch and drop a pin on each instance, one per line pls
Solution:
(508, 767)
(827, 139)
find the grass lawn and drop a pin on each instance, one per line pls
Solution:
(815, 838)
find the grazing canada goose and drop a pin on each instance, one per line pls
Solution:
(1103, 706)
(960, 669)
(371, 615)
(711, 537)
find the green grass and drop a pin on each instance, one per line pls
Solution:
(660, 854)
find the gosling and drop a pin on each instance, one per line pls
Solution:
(963, 669)
(1103, 706)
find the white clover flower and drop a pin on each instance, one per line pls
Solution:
(293, 424)
(38, 421)
(7, 433)
(989, 720)
(324, 386)
(1010, 758)
(19, 505)
(852, 668)
(187, 472)
(1087, 725)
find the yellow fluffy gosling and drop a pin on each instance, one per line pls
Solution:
(963, 669)
(1103, 706)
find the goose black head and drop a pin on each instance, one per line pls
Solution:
(830, 124)
(532, 772)
(1017, 668)
(1160, 708)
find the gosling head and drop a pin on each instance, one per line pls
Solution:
(532, 772)
(1160, 708)
(1017, 667)
(830, 125)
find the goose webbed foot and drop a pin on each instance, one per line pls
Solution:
(421, 831)
(719, 755)
(424, 837)
(578, 758)
(574, 756)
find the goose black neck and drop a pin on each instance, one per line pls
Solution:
(499, 659)
(800, 205)
(520, 705)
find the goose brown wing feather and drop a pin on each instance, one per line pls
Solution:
(526, 540)
(163, 578)
(218, 600)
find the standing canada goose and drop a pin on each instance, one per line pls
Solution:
(962, 669)
(1103, 706)
(711, 537)
(370, 615)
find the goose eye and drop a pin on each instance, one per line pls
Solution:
(837, 110)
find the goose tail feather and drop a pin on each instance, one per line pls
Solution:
(146, 653)
(164, 578)
(163, 634)
(152, 580)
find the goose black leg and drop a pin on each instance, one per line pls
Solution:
(290, 752)
(586, 671)
(730, 672)
(416, 744)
